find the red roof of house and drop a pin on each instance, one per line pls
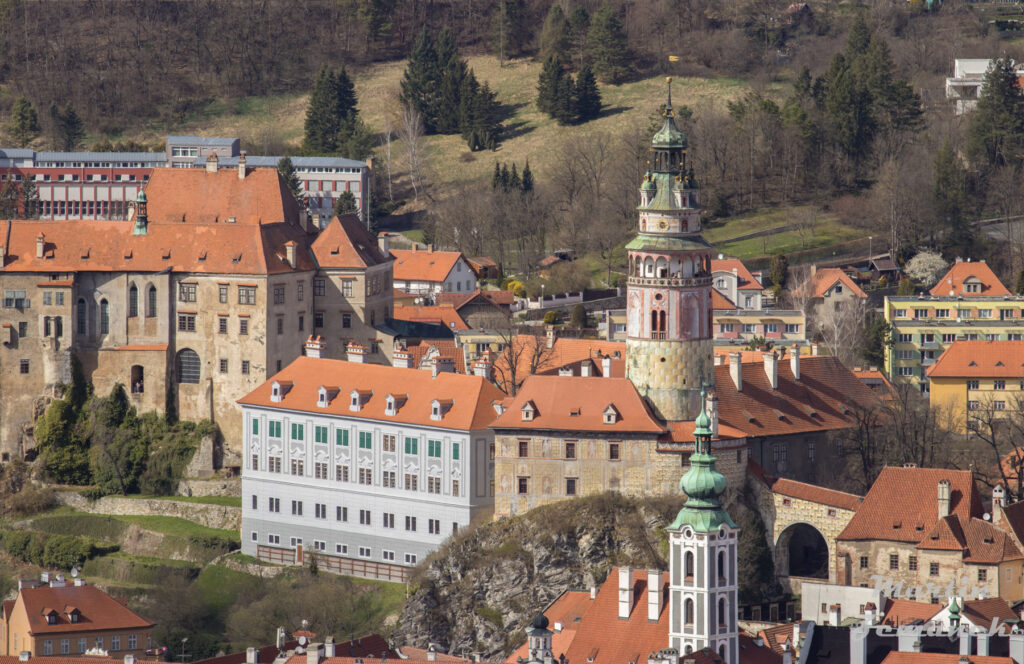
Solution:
(98, 610)
(825, 278)
(778, 636)
(471, 396)
(192, 195)
(982, 612)
(823, 399)
(978, 540)
(980, 359)
(427, 349)
(371, 645)
(746, 279)
(896, 657)
(444, 315)
(816, 494)
(572, 403)
(902, 504)
(568, 611)
(424, 265)
(531, 355)
(345, 243)
(499, 298)
(719, 301)
(964, 272)
(904, 611)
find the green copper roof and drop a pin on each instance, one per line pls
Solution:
(668, 243)
(141, 198)
(669, 135)
(702, 484)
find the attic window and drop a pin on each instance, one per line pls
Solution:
(746, 414)
(528, 411)
(1000, 363)
(438, 408)
(355, 405)
(85, 254)
(74, 615)
(202, 255)
(611, 414)
(973, 364)
(275, 391)
(321, 397)
(575, 412)
(897, 525)
(435, 411)
(778, 414)
(51, 616)
(128, 255)
(389, 409)
(237, 258)
(166, 254)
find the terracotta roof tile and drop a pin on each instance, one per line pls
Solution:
(902, 504)
(1014, 517)
(825, 278)
(571, 403)
(987, 544)
(426, 349)
(751, 653)
(778, 636)
(904, 612)
(946, 535)
(973, 272)
(982, 612)
(345, 243)
(195, 196)
(980, 359)
(434, 315)
(816, 494)
(896, 657)
(568, 610)
(531, 352)
(821, 400)
(424, 265)
(472, 396)
(721, 302)
(98, 610)
(746, 278)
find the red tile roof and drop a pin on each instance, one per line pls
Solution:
(721, 302)
(980, 359)
(106, 246)
(982, 612)
(499, 298)
(969, 272)
(896, 657)
(569, 610)
(531, 353)
(427, 349)
(98, 610)
(446, 315)
(751, 653)
(424, 265)
(979, 540)
(902, 504)
(345, 243)
(825, 278)
(823, 399)
(420, 654)
(471, 396)
(778, 636)
(904, 611)
(682, 432)
(192, 195)
(746, 279)
(816, 494)
(371, 645)
(571, 403)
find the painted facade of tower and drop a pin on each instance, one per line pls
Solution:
(668, 303)
(702, 559)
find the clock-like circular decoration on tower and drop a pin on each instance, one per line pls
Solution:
(662, 224)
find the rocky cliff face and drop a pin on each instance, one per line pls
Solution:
(479, 592)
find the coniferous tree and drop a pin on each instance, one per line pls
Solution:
(514, 182)
(287, 171)
(547, 85)
(504, 177)
(357, 141)
(588, 97)
(453, 71)
(29, 200)
(345, 204)
(554, 35)
(579, 28)
(848, 106)
(509, 33)
(496, 178)
(527, 181)
(995, 135)
(421, 78)
(331, 116)
(25, 121)
(860, 36)
(9, 199)
(564, 110)
(949, 196)
(70, 129)
(608, 46)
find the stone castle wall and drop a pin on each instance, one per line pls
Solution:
(670, 374)
(224, 517)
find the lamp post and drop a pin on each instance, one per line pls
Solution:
(869, 248)
(183, 649)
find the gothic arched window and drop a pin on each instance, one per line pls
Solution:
(688, 565)
(721, 612)
(688, 612)
(104, 317)
(133, 301)
(151, 302)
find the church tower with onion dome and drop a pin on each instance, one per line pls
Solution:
(702, 559)
(668, 301)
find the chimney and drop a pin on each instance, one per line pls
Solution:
(241, 165)
(711, 403)
(356, 352)
(79, 581)
(252, 656)
(718, 359)
(211, 163)
(943, 498)
(314, 347)
(585, 366)
(870, 613)
(415, 247)
(430, 248)
(315, 653)
(40, 245)
(24, 656)
(796, 636)
(606, 366)
(329, 646)
(625, 592)
(982, 643)
(965, 646)
(653, 595)
(483, 366)
(384, 242)
(736, 370)
(440, 365)
(859, 646)
(280, 641)
(998, 496)
(794, 361)
(130, 659)
(549, 333)
(401, 358)
(814, 349)
(593, 592)
(771, 369)
(431, 653)
(787, 657)
(289, 252)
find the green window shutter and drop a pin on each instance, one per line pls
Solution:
(455, 451)
(434, 448)
(410, 446)
(255, 426)
(342, 437)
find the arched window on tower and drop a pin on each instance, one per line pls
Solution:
(151, 302)
(688, 650)
(721, 566)
(83, 323)
(658, 323)
(721, 651)
(688, 565)
(104, 317)
(722, 619)
(688, 612)
(662, 268)
(133, 301)
(648, 267)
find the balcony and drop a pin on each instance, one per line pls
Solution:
(667, 282)
(927, 361)
(929, 345)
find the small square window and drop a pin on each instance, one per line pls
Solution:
(223, 366)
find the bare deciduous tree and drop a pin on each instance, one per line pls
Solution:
(411, 133)
(521, 356)
(840, 326)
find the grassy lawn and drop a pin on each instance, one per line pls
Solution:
(388, 597)
(170, 525)
(110, 527)
(227, 501)
(219, 586)
(787, 242)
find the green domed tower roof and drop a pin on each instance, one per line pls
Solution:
(669, 135)
(702, 484)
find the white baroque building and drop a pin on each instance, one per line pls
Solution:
(367, 467)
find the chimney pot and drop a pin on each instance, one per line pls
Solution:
(40, 245)
(943, 498)
(653, 595)
(593, 592)
(814, 349)
(241, 165)
(606, 366)
(251, 656)
(794, 361)
(736, 370)
(384, 243)
(212, 163)
(24, 656)
(129, 659)
(771, 369)
(625, 592)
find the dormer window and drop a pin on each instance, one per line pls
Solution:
(51, 616)
(358, 399)
(394, 402)
(275, 391)
(389, 408)
(529, 411)
(435, 411)
(440, 407)
(611, 414)
(74, 615)
(354, 405)
(321, 397)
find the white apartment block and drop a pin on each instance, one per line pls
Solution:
(369, 468)
(428, 272)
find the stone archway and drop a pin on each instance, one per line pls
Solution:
(802, 551)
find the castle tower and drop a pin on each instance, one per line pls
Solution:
(702, 559)
(668, 303)
(141, 216)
